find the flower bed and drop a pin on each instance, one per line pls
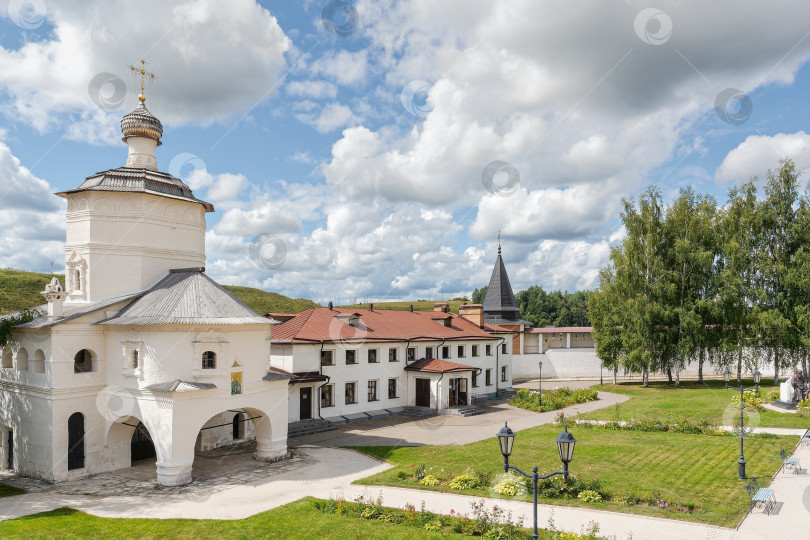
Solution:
(552, 399)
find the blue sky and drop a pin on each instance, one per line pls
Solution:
(347, 142)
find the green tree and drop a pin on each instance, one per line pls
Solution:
(478, 295)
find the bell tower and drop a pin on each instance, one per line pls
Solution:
(128, 226)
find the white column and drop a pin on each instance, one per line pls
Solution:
(568, 340)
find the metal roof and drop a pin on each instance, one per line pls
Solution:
(139, 180)
(180, 386)
(75, 310)
(499, 303)
(276, 374)
(186, 296)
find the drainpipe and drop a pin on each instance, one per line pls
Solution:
(328, 378)
(497, 362)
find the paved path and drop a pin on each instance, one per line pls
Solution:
(446, 430)
(331, 471)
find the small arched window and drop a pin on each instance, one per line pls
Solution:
(8, 358)
(22, 360)
(38, 363)
(209, 360)
(83, 362)
(133, 360)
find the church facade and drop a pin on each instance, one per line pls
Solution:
(140, 353)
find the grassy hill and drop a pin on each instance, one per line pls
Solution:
(20, 290)
(419, 305)
(262, 301)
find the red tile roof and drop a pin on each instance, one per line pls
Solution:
(322, 324)
(434, 365)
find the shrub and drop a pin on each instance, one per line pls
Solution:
(803, 408)
(402, 475)
(419, 473)
(752, 399)
(552, 399)
(773, 395)
(467, 480)
(510, 485)
(589, 496)
(429, 480)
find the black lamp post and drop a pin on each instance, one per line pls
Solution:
(565, 446)
(540, 384)
(757, 377)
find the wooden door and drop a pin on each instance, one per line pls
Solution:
(306, 403)
(422, 392)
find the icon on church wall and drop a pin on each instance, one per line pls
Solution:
(236, 383)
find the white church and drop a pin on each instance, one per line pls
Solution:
(140, 354)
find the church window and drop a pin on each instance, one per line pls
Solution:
(134, 360)
(83, 362)
(209, 360)
(8, 358)
(22, 360)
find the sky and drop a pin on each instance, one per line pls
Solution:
(373, 150)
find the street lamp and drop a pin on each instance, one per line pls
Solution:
(757, 377)
(540, 384)
(565, 447)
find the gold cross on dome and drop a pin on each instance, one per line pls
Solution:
(143, 73)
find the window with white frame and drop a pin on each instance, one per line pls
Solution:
(445, 352)
(351, 357)
(411, 354)
(475, 350)
(327, 395)
(372, 356)
(503, 373)
(461, 352)
(350, 393)
(209, 360)
(392, 388)
(475, 379)
(327, 358)
(489, 377)
(372, 391)
(392, 354)
(503, 349)
(428, 352)
(488, 350)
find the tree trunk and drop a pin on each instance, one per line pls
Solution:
(804, 365)
(615, 372)
(700, 365)
(776, 367)
(669, 375)
(677, 378)
(645, 378)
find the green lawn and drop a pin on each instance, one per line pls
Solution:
(7, 490)
(697, 469)
(709, 400)
(296, 520)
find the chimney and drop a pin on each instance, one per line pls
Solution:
(330, 305)
(473, 313)
(55, 294)
(443, 307)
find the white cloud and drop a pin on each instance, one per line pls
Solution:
(334, 116)
(196, 48)
(344, 67)
(312, 89)
(759, 153)
(32, 220)
(226, 186)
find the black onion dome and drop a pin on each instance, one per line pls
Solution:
(141, 123)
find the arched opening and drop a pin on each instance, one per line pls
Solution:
(22, 360)
(8, 358)
(238, 426)
(38, 362)
(78, 280)
(83, 362)
(76, 441)
(209, 360)
(141, 445)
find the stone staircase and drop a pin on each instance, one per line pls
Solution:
(464, 410)
(418, 412)
(507, 393)
(308, 427)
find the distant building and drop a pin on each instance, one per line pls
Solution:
(349, 362)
